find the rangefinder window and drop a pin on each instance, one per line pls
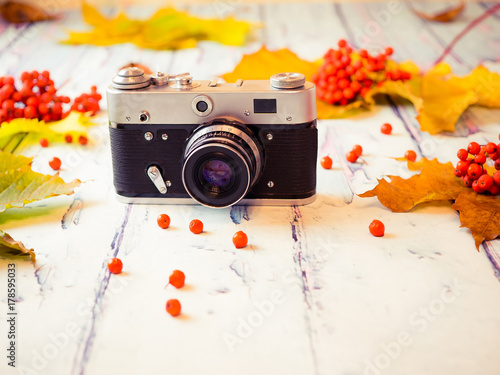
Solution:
(264, 105)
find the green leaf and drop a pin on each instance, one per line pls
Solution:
(11, 246)
(20, 185)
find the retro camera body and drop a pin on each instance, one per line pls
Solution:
(173, 139)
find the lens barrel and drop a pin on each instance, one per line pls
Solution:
(221, 162)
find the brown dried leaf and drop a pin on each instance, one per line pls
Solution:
(8, 244)
(19, 12)
(480, 213)
(436, 182)
(447, 15)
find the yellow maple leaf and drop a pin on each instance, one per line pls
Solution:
(168, 28)
(264, 63)
(484, 83)
(21, 131)
(443, 103)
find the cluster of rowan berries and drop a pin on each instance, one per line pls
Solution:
(38, 98)
(347, 74)
(472, 167)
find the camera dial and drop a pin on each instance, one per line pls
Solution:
(221, 162)
(130, 79)
(288, 80)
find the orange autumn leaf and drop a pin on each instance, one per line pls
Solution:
(480, 213)
(436, 182)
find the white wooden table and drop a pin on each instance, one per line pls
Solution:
(314, 292)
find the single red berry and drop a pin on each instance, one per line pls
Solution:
(115, 265)
(240, 239)
(357, 149)
(389, 51)
(480, 159)
(485, 182)
(343, 83)
(497, 164)
(494, 189)
(462, 166)
(473, 148)
(377, 228)
(474, 171)
(177, 279)
(44, 142)
(196, 226)
(83, 140)
(462, 154)
(326, 162)
(496, 177)
(163, 221)
(30, 112)
(342, 43)
(351, 157)
(491, 148)
(386, 128)
(68, 138)
(467, 180)
(411, 155)
(55, 163)
(476, 187)
(173, 307)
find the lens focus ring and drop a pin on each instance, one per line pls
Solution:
(221, 163)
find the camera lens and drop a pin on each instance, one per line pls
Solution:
(222, 160)
(217, 174)
(202, 106)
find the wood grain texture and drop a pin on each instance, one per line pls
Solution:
(313, 292)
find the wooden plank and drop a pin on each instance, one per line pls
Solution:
(313, 292)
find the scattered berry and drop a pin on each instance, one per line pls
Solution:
(173, 307)
(357, 149)
(411, 155)
(115, 265)
(163, 221)
(68, 138)
(386, 128)
(240, 239)
(177, 279)
(377, 228)
(196, 226)
(55, 163)
(351, 156)
(82, 140)
(44, 142)
(326, 162)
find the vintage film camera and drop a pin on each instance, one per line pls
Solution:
(173, 139)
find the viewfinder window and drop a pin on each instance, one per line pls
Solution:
(264, 105)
